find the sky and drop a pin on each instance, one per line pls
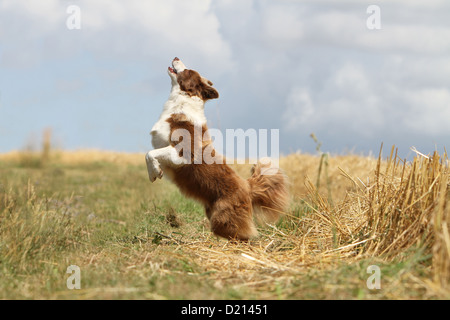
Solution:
(354, 77)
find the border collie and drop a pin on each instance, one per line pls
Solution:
(180, 139)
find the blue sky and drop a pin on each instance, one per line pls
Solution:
(297, 66)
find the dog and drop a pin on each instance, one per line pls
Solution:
(231, 203)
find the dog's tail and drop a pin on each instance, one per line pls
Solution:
(269, 192)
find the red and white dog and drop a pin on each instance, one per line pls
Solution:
(229, 200)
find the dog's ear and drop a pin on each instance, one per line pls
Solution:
(195, 85)
(209, 93)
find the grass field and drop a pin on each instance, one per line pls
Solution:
(135, 240)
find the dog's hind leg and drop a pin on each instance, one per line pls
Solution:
(231, 222)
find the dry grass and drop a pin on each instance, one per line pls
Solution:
(360, 211)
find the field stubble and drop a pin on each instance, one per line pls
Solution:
(134, 240)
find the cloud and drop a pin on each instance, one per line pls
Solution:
(281, 28)
(138, 29)
(346, 79)
(300, 108)
(345, 100)
(299, 66)
(429, 111)
(411, 38)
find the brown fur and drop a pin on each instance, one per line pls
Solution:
(269, 192)
(229, 200)
(193, 84)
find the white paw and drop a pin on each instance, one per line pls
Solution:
(154, 170)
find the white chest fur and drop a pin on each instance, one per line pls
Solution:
(191, 107)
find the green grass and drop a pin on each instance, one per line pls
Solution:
(137, 240)
(105, 218)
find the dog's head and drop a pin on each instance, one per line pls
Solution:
(191, 82)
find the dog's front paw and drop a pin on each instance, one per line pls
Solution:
(154, 170)
(155, 173)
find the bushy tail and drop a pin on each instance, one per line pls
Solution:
(269, 192)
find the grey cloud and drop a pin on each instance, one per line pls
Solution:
(300, 66)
